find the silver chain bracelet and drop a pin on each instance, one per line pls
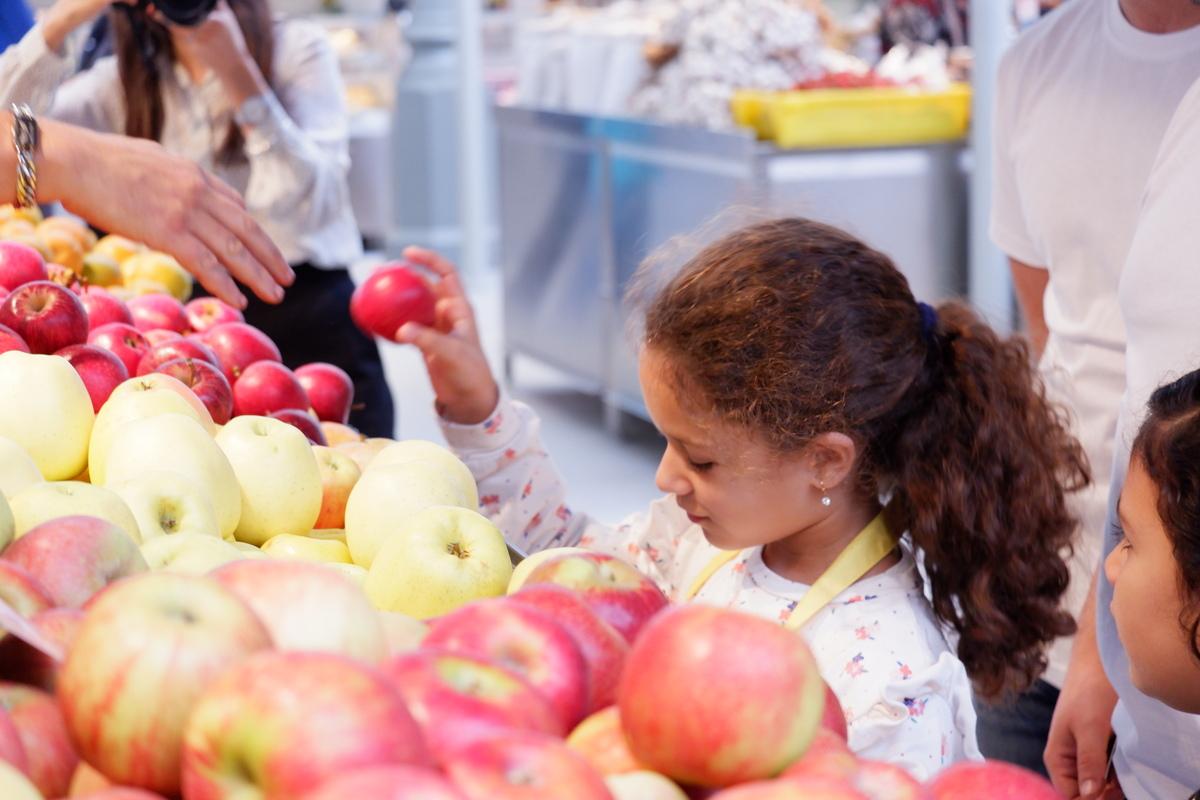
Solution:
(26, 140)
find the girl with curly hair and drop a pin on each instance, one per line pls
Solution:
(816, 415)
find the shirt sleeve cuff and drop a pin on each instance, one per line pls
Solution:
(501, 427)
(263, 121)
(1015, 246)
(35, 53)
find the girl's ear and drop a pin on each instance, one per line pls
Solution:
(831, 458)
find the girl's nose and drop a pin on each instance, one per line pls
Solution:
(670, 477)
(1113, 564)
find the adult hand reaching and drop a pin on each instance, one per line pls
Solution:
(137, 189)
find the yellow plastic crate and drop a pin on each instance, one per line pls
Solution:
(826, 118)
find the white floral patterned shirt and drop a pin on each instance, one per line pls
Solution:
(906, 695)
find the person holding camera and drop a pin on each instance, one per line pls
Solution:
(259, 102)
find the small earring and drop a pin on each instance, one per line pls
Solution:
(826, 500)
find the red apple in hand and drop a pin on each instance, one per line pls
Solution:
(206, 312)
(304, 422)
(393, 295)
(207, 382)
(100, 370)
(330, 391)
(124, 341)
(152, 311)
(47, 316)
(20, 263)
(161, 353)
(159, 335)
(457, 699)
(237, 346)
(102, 308)
(524, 766)
(267, 386)
(10, 340)
(614, 589)
(602, 646)
(526, 640)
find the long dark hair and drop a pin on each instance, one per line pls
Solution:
(1168, 446)
(791, 328)
(143, 54)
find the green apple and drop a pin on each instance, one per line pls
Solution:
(46, 409)
(165, 503)
(528, 565)
(138, 402)
(426, 452)
(189, 553)
(438, 560)
(43, 502)
(278, 474)
(17, 470)
(178, 443)
(385, 498)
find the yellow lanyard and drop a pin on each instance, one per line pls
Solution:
(863, 554)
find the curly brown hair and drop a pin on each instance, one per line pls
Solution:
(1168, 447)
(791, 328)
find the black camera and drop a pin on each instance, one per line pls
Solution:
(182, 12)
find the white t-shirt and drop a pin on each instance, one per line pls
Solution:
(1082, 102)
(1158, 749)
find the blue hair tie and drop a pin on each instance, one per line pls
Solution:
(929, 320)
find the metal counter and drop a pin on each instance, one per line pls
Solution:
(584, 200)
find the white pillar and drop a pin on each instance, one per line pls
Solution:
(988, 281)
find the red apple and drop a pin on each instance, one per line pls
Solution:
(834, 718)
(100, 370)
(237, 346)
(524, 766)
(989, 780)
(280, 724)
(393, 295)
(206, 312)
(20, 264)
(749, 689)
(614, 589)
(124, 341)
(526, 640)
(881, 781)
(47, 316)
(156, 336)
(304, 422)
(75, 557)
(161, 353)
(152, 311)
(119, 793)
(828, 755)
(601, 740)
(602, 646)
(102, 308)
(148, 648)
(44, 736)
(267, 386)
(22, 591)
(207, 382)
(11, 750)
(387, 783)
(10, 340)
(22, 663)
(330, 391)
(815, 788)
(458, 699)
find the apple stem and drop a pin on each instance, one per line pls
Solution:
(457, 549)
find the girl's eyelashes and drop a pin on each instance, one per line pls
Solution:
(703, 466)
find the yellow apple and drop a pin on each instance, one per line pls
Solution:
(177, 442)
(45, 408)
(117, 247)
(421, 451)
(100, 269)
(522, 570)
(134, 404)
(17, 469)
(160, 268)
(8, 525)
(339, 473)
(43, 502)
(439, 560)
(159, 380)
(354, 572)
(165, 503)
(303, 548)
(385, 498)
(14, 785)
(278, 474)
(72, 227)
(189, 553)
(334, 534)
(63, 247)
(643, 785)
